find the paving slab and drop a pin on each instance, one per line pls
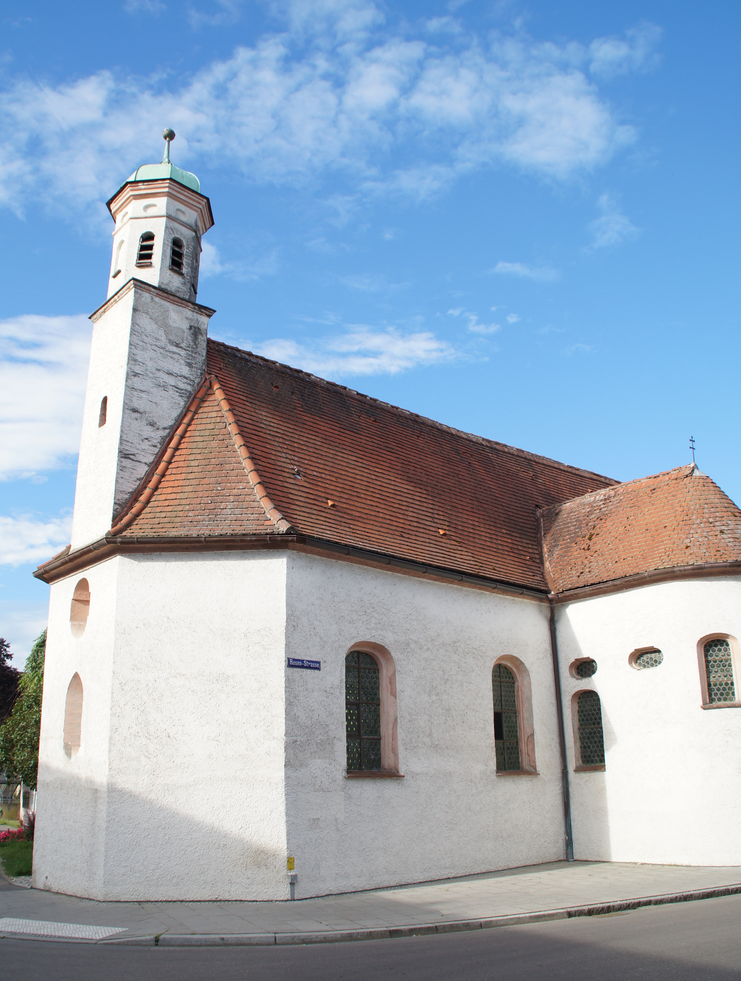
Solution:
(530, 894)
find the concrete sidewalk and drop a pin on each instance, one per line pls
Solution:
(525, 895)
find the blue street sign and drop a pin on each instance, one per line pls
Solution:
(297, 662)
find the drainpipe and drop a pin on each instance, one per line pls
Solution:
(561, 735)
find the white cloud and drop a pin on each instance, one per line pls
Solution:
(249, 268)
(543, 274)
(144, 6)
(43, 368)
(26, 538)
(612, 227)
(474, 324)
(512, 318)
(347, 100)
(370, 283)
(21, 625)
(361, 350)
(221, 12)
(609, 56)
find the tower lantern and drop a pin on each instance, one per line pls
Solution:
(160, 217)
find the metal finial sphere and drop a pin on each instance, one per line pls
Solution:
(168, 134)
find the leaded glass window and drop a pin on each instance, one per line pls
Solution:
(589, 724)
(585, 669)
(719, 671)
(506, 729)
(362, 711)
(648, 659)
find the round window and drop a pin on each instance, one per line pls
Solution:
(585, 668)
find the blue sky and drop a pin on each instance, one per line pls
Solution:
(521, 219)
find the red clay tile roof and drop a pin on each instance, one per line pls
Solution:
(674, 519)
(203, 485)
(345, 468)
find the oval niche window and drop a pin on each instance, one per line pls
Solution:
(73, 717)
(80, 608)
(583, 668)
(640, 660)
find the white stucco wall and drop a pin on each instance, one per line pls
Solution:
(193, 684)
(69, 843)
(451, 814)
(671, 787)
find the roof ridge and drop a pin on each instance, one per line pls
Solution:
(474, 437)
(281, 523)
(171, 446)
(690, 469)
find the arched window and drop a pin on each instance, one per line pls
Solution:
(717, 670)
(514, 739)
(73, 717)
(80, 608)
(103, 414)
(117, 262)
(146, 249)
(590, 741)
(370, 711)
(177, 254)
(506, 727)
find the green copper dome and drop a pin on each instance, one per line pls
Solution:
(166, 170)
(163, 171)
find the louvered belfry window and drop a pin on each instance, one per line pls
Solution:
(589, 724)
(146, 249)
(362, 711)
(719, 671)
(177, 255)
(506, 728)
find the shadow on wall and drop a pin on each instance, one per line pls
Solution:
(115, 844)
(589, 812)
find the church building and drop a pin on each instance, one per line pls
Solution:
(304, 642)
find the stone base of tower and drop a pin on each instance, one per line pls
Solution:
(177, 791)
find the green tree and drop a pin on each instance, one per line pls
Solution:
(9, 677)
(19, 735)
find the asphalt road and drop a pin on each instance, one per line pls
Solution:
(693, 941)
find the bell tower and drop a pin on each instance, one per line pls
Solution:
(160, 217)
(148, 350)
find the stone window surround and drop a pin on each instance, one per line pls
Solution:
(72, 737)
(79, 608)
(389, 720)
(736, 659)
(524, 702)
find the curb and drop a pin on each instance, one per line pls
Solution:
(422, 929)
(391, 933)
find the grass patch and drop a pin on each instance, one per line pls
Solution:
(16, 857)
(7, 823)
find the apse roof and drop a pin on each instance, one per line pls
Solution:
(672, 520)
